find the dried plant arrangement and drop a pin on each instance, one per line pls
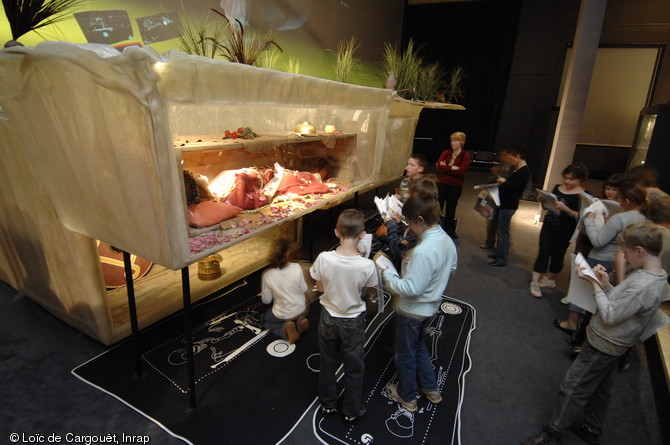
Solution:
(25, 16)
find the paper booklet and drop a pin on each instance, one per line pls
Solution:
(382, 261)
(587, 270)
(485, 186)
(493, 191)
(548, 201)
(388, 206)
(603, 209)
(365, 245)
(586, 200)
(580, 293)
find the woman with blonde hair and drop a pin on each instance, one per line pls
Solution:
(451, 169)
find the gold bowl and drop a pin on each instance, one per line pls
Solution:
(209, 268)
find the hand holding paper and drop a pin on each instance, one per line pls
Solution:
(383, 262)
(548, 200)
(389, 206)
(596, 276)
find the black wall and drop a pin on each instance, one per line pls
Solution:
(479, 36)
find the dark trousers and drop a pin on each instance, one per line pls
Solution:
(553, 245)
(585, 389)
(504, 223)
(492, 229)
(342, 340)
(448, 196)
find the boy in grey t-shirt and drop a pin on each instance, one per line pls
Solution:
(623, 313)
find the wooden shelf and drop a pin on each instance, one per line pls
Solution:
(159, 294)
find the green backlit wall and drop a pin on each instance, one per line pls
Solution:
(307, 30)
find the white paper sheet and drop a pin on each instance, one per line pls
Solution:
(365, 245)
(388, 206)
(580, 292)
(548, 201)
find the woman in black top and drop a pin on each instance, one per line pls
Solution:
(510, 190)
(557, 229)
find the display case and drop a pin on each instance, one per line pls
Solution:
(328, 156)
(652, 139)
(94, 144)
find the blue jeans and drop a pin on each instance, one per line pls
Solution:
(504, 222)
(342, 338)
(585, 389)
(276, 325)
(412, 359)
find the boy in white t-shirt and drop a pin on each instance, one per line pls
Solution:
(343, 276)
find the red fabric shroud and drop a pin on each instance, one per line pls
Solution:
(300, 183)
(247, 192)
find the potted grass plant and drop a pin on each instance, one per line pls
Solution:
(405, 67)
(236, 45)
(345, 60)
(25, 16)
(429, 82)
(293, 65)
(454, 92)
(416, 80)
(198, 38)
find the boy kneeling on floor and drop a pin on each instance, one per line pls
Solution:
(622, 316)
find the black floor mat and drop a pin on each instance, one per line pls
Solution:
(385, 421)
(247, 386)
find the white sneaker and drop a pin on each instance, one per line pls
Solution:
(534, 289)
(546, 282)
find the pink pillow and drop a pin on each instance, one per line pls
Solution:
(208, 213)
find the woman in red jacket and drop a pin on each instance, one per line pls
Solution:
(451, 168)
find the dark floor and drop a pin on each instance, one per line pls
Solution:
(518, 358)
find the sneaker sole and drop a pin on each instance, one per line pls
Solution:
(547, 286)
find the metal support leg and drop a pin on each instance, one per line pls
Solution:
(132, 310)
(188, 334)
(310, 237)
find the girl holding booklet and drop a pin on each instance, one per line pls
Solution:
(610, 195)
(559, 225)
(604, 240)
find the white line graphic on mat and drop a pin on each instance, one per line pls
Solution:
(434, 330)
(220, 353)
